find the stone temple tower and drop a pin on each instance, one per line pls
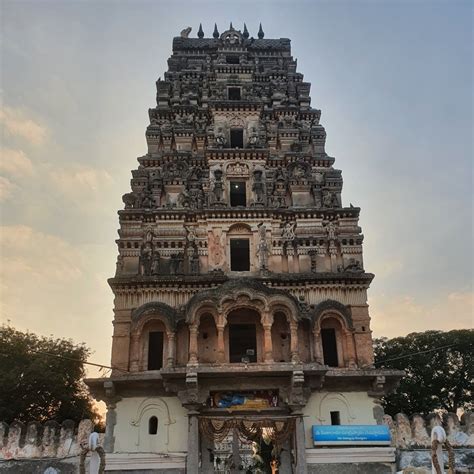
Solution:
(241, 317)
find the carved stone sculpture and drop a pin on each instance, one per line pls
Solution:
(185, 33)
(146, 257)
(258, 188)
(218, 187)
(262, 249)
(288, 232)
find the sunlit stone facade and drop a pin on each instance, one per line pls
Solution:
(240, 288)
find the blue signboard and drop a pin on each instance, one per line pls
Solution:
(351, 435)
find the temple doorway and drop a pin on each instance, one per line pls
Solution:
(247, 445)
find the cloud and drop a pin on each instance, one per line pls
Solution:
(7, 188)
(79, 181)
(50, 286)
(385, 267)
(31, 256)
(17, 124)
(402, 314)
(15, 163)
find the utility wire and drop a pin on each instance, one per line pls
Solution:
(102, 366)
(415, 353)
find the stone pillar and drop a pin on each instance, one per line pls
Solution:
(296, 259)
(351, 355)
(333, 254)
(135, 353)
(284, 263)
(110, 422)
(192, 458)
(295, 357)
(235, 451)
(290, 259)
(171, 359)
(301, 467)
(206, 464)
(220, 343)
(267, 343)
(193, 345)
(111, 400)
(318, 352)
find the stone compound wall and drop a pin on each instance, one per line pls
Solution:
(412, 438)
(35, 448)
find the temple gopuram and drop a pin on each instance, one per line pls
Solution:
(241, 332)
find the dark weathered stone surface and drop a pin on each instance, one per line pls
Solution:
(362, 468)
(39, 466)
(464, 458)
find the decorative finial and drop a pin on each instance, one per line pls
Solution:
(216, 32)
(245, 34)
(200, 32)
(261, 34)
(231, 27)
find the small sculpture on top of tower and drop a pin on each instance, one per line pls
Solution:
(185, 33)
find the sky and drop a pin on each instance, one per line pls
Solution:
(393, 80)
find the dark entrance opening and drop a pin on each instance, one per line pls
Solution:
(236, 138)
(238, 195)
(335, 417)
(232, 60)
(233, 93)
(328, 337)
(153, 425)
(155, 350)
(242, 343)
(239, 255)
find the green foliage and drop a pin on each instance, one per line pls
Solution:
(39, 387)
(440, 379)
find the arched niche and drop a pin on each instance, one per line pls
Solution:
(143, 420)
(332, 340)
(154, 345)
(335, 402)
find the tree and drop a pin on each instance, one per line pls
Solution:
(438, 379)
(42, 378)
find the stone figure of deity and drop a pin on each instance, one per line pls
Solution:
(262, 249)
(331, 230)
(145, 260)
(258, 187)
(218, 187)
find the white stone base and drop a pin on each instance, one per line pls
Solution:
(142, 461)
(350, 455)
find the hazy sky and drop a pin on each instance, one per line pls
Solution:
(393, 80)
